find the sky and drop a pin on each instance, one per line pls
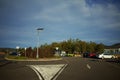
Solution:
(87, 20)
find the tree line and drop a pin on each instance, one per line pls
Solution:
(71, 46)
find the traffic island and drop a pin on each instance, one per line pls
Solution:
(21, 58)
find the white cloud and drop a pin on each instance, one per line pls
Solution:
(65, 11)
(105, 16)
(57, 13)
(62, 19)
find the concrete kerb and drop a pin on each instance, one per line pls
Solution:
(41, 59)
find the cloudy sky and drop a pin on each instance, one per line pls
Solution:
(87, 20)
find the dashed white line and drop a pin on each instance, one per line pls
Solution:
(88, 66)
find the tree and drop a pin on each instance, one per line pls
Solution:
(91, 46)
(29, 52)
(83, 46)
(78, 45)
(99, 48)
(46, 51)
(70, 46)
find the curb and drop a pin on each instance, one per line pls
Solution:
(43, 59)
(4, 62)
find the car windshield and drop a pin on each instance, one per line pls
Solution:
(107, 54)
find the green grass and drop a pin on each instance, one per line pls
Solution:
(9, 57)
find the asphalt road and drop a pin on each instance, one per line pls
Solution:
(76, 69)
(89, 69)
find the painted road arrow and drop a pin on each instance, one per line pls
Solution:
(48, 72)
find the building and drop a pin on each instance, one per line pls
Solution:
(112, 50)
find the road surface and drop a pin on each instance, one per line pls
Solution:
(69, 68)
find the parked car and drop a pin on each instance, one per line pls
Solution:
(117, 56)
(92, 55)
(86, 54)
(106, 55)
(14, 54)
(89, 55)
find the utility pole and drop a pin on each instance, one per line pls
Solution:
(38, 31)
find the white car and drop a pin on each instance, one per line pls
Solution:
(106, 55)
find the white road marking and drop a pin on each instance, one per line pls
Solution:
(59, 72)
(36, 72)
(48, 72)
(88, 66)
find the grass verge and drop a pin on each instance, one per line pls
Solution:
(22, 58)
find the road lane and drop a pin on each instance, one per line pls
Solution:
(17, 70)
(3, 61)
(98, 70)
(77, 69)
(88, 66)
(102, 70)
(13, 71)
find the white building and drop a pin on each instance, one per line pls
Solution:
(112, 50)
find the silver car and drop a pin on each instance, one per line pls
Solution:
(106, 55)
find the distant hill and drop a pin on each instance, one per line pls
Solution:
(6, 49)
(117, 45)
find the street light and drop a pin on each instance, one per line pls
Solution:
(57, 51)
(38, 30)
(25, 51)
(17, 47)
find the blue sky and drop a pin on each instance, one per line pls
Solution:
(87, 20)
